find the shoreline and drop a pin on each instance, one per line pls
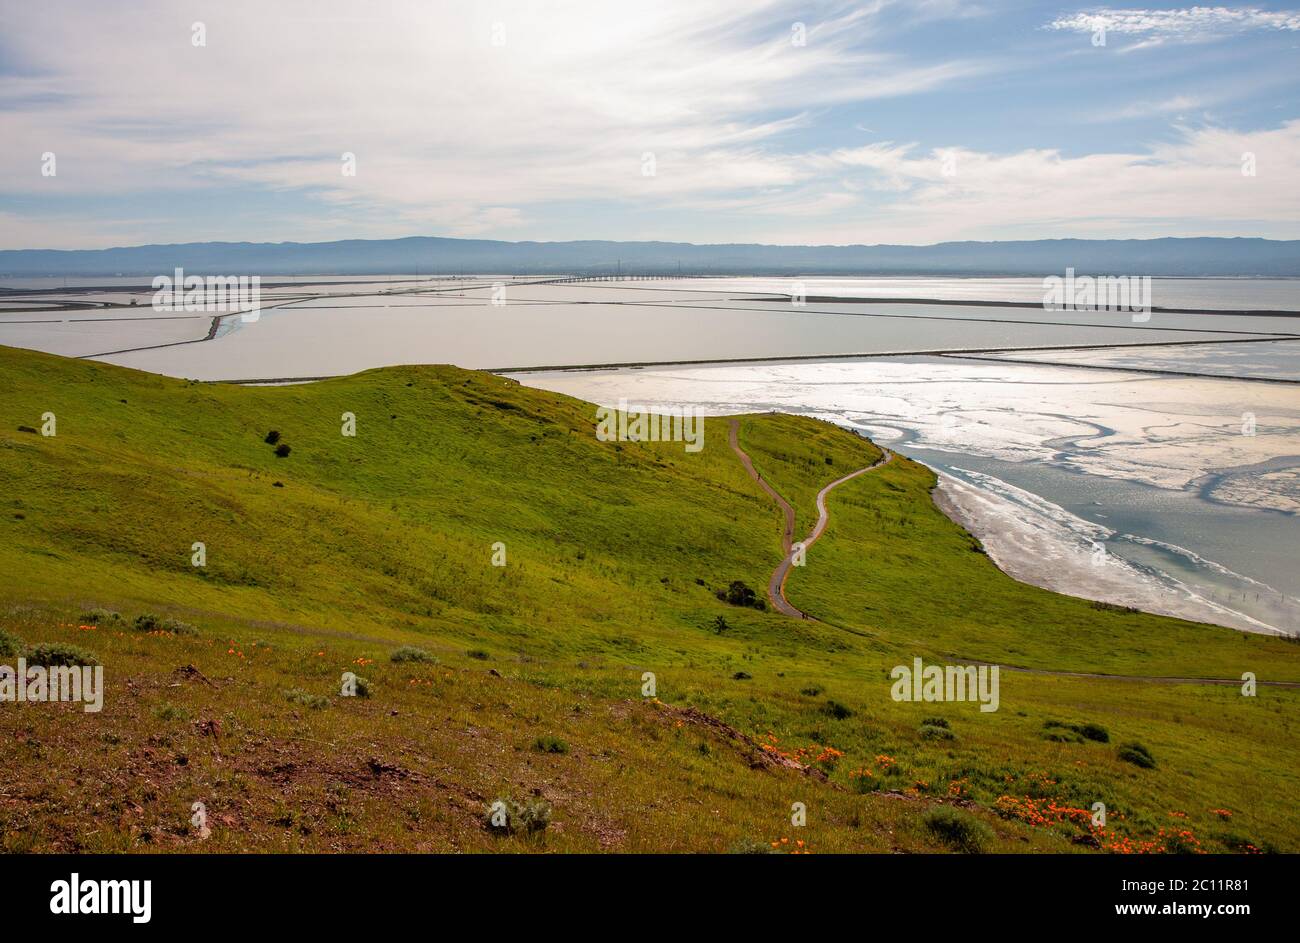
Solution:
(1028, 558)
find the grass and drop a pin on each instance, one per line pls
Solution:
(352, 553)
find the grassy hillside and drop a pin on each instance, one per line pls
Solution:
(330, 558)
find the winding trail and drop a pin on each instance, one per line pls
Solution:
(776, 584)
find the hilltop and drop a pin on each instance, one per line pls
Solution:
(532, 682)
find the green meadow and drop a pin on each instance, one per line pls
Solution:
(595, 684)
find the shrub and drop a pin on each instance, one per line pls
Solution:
(477, 653)
(10, 644)
(933, 732)
(550, 744)
(837, 710)
(272, 437)
(508, 817)
(720, 624)
(738, 594)
(100, 616)
(55, 654)
(306, 699)
(1095, 732)
(361, 686)
(960, 830)
(741, 676)
(1077, 732)
(1138, 755)
(934, 722)
(811, 691)
(1060, 733)
(147, 622)
(411, 653)
(177, 627)
(282, 450)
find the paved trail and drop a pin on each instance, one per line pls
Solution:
(776, 584)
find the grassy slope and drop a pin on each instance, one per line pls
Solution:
(386, 538)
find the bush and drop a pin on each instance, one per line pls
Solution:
(282, 450)
(100, 617)
(477, 653)
(811, 691)
(741, 676)
(527, 818)
(362, 686)
(934, 722)
(550, 744)
(933, 732)
(411, 653)
(1058, 732)
(54, 654)
(306, 699)
(10, 644)
(177, 627)
(960, 830)
(1095, 732)
(1077, 732)
(147, 622)
(1138, 755)
(837, 710)
(272, 437)
(738, 594)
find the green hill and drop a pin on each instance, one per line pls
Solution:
(330, 558)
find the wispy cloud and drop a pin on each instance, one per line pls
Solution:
(1195, 180)
(695, 119)
(1190, 24)
(452, 111)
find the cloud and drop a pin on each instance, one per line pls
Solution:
(1194, 181)
(1190, 24)
(518, 119)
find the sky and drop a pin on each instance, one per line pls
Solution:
(894, 121)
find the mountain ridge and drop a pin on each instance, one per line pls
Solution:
(1200, 256)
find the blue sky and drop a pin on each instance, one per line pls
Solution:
(910, 122)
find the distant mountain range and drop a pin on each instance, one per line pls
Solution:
(1206, 256)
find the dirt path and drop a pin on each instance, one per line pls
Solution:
(776, 584)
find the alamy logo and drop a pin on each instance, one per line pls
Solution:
(924, 682)
(1131, 293)
(638, 424)
(219, 293)
(103, 897)
(54, 683)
